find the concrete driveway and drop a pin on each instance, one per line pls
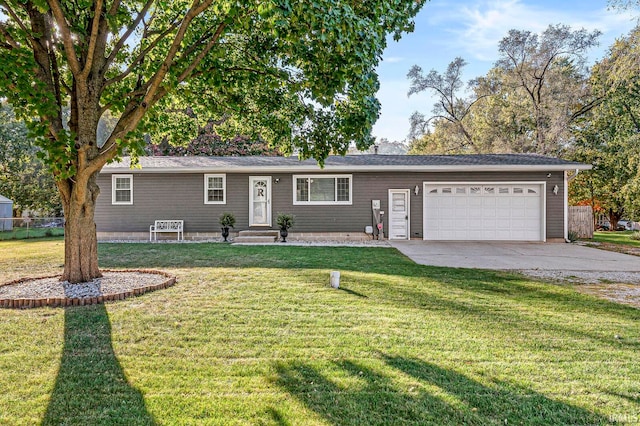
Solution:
(517, 256)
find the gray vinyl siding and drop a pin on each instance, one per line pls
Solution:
(181, 196)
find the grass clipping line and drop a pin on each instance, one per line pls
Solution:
(132, 290)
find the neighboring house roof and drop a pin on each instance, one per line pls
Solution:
(5, 200)
(350, 163)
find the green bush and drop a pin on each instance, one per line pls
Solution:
(285, 220)
(227, 220)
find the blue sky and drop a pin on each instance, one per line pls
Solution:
(472, 29)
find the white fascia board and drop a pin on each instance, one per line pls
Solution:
(351, 169)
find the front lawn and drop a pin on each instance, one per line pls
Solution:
(616, 237)
(254, 335)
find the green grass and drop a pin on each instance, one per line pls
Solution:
(24, 233)
(254, 335)
(616, 237)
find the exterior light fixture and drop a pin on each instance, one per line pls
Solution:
(555, 189)
(416, 190)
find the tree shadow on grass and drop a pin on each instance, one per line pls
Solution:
(501, 402)
(373, 398)
(91, 387)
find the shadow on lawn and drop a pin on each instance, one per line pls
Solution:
(91, 387)
(376, 400)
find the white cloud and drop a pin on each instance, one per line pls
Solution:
(393, 59)
(472, 29)
(477, 26)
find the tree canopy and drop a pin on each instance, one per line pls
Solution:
(526, 102)
(23, 177)
(609, 136)
(300, 74)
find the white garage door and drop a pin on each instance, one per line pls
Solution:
(483, 212)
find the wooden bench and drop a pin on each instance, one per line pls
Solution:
(167, 226)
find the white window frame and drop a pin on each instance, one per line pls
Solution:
(224, 188)
(323, 203)
(113, 190)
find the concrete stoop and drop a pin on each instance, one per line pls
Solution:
(261, 236)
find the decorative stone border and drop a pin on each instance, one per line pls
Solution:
(60, 302)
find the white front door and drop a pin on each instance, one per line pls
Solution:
(260, 201)
(399, 214)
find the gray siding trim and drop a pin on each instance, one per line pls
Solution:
(180, 196)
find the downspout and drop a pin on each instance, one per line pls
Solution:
(567, 179)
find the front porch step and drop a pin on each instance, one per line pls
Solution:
(259, 233)
(257, 236)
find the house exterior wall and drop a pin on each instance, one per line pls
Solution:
(181, 196)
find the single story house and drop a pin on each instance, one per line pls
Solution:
(501, 197)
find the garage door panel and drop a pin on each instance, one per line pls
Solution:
(531, 203)
(474, 201)
(518, 213)
(489, 223)
(503, 214)
(489, 201)
(506, 212)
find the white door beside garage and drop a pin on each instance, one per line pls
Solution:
(484, 211)
(399, 214)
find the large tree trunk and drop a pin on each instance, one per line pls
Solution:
(614, 217)
(80, 240)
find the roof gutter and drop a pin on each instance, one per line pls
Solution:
(575, 175)
(349, 169)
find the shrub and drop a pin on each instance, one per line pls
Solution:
(285, 220)
(635, 235)
(572, 236)
(227, 220)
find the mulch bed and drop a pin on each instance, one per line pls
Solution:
(37, 292)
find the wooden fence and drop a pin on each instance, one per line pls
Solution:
(581, 221)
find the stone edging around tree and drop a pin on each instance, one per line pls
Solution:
(58, 302)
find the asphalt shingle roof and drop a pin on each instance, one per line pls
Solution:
(386, 162)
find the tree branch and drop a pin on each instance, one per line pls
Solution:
(70, 51)
(93, 37)
(194, 64)
(586, 108)
(21, 24)
(11, 43)
(137, 107)
(632, 115)
(127, 34)
(141, 56)
(114, 8)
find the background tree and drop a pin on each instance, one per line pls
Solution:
(382, 146)
(209, 143)
(624, 4)
(451, 108)
(609, 136)
(23, 177)
(526, 103)
(298, 73)
(549, 70)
